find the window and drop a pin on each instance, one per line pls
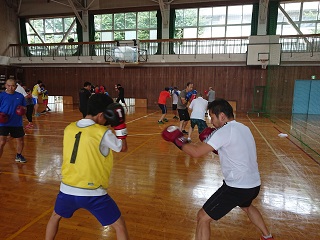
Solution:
(126, 26)
(51, 30)
(305, 16)
(209, 22)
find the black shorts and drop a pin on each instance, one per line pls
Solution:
(163, 108)
(184, 114)
(226, 198)
(174, 106)
(120, 98)
(15, 132)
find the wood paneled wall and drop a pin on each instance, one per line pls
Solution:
(281, 81)
(230, 82)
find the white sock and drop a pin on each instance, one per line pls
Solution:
(268, 236)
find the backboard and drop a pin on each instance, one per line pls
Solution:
(257, 53)
(264, 50)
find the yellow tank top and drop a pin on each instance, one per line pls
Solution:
(83, 165)
(35, 90)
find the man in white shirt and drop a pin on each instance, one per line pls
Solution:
(238, 159)
(20, 89)
(198, 107)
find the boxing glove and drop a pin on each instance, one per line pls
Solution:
(115, 116)
(3, 117)
(188, 96)
(21, 110)
(193, 96)
(206, 134)
(174, 135)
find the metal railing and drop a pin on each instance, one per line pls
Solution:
(236, 45)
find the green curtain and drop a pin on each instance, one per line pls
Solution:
(24, 37)
(273, 17)
(92, 33)
(159, 30)
(255, 18)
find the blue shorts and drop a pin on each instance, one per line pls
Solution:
(35, 100)
(103, 207)
(163, 108)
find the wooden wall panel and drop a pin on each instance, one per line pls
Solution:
(230, 82)
(281, 82)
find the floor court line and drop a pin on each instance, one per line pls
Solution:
(134, 150)
(30, 224)
(302, 149)
(313, 139)
(269, 145)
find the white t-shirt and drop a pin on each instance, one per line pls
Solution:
(109, 141)
(199, 108)
(21, 90)
(175, 97)
(237, 153)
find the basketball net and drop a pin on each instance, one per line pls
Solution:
(264, 63)
(122, 64)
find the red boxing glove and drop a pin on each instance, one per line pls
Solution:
(3, 117)
(206, 134)
(174, 135)
(21, 110)
(121, 131)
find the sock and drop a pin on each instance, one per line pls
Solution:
(268, 236)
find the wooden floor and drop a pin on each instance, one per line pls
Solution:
(158, 188)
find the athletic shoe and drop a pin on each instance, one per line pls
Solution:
(184, 132)
(160, 122)
(189, 140)
(20, 158)
(165, 120)
(37, 115)
(269, 238)
(175, 117)
(30, 125)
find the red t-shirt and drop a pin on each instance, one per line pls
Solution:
(163, 97)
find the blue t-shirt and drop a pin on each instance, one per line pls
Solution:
(8, 105)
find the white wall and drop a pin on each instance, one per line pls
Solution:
(8, 28)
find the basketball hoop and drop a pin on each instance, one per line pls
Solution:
(122, 64)
(264, 63)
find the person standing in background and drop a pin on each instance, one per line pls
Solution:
(175, 95)
(45, 97)
(163, 96)
(35, 95)
(183, 100)
(120, 90)
(198, 107)
(30, 107)
(20, 89)
(84, 95)
(9, 102)
(211, 96)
